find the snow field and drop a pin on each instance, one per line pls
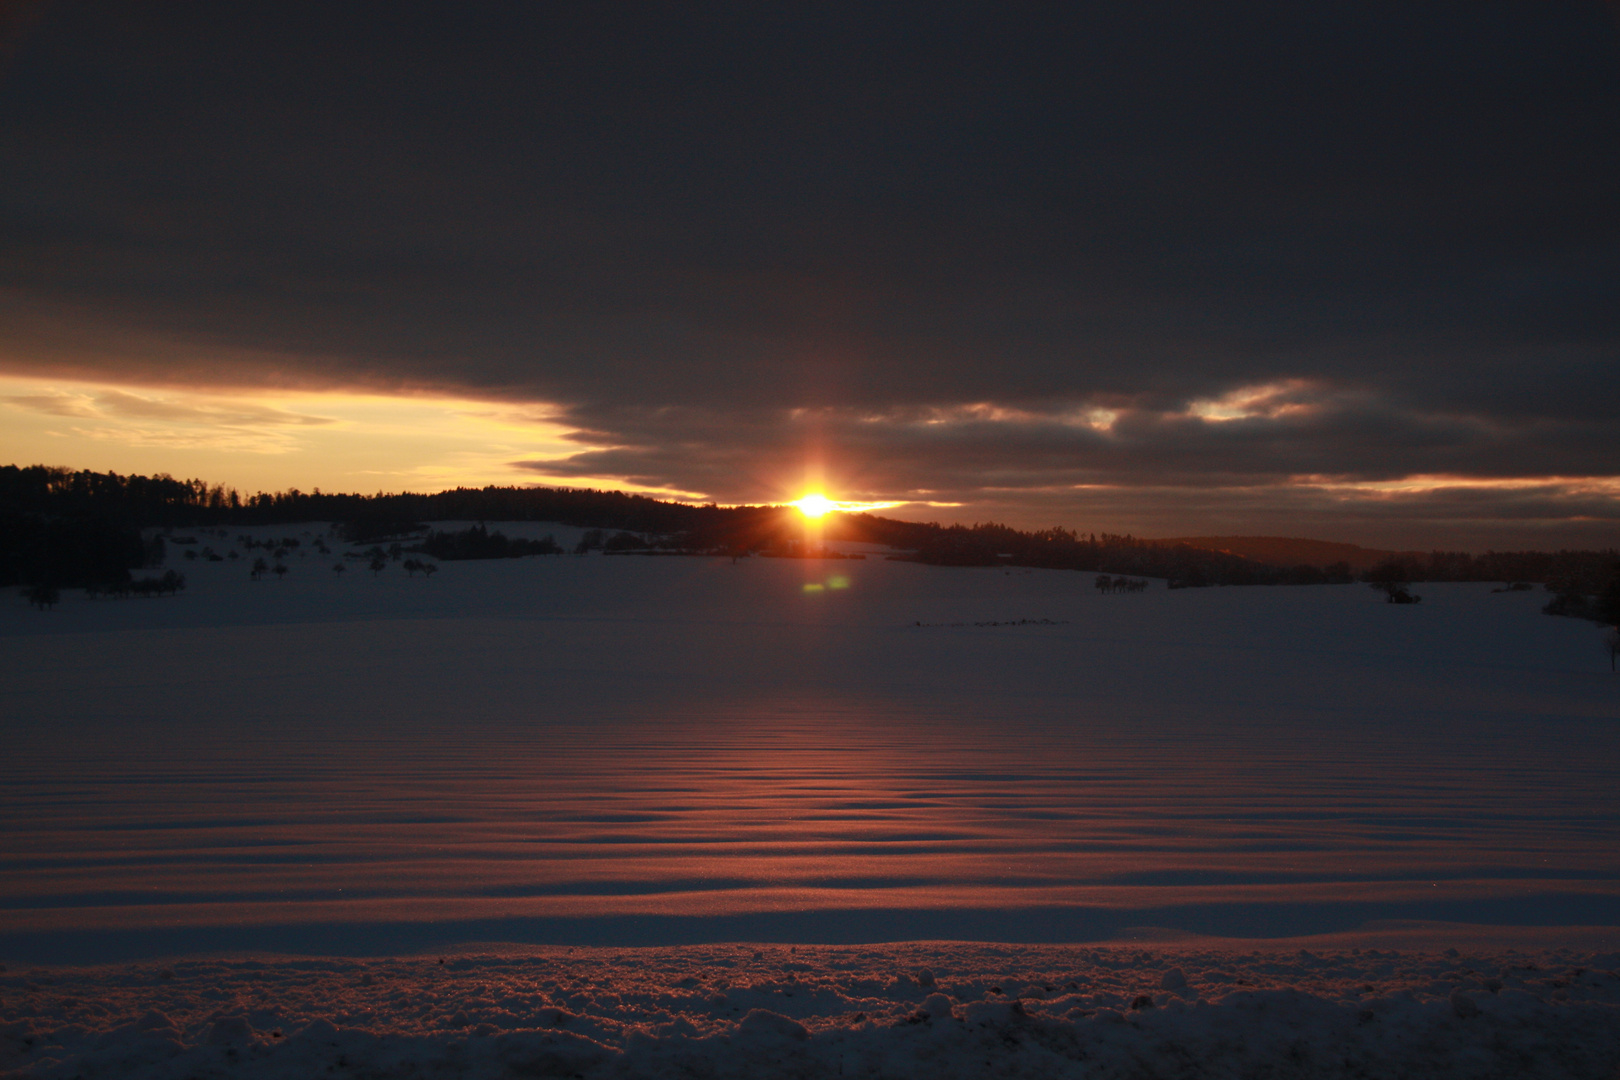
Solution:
(617, 752)
(922, 1009)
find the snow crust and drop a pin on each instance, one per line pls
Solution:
(917, 1010)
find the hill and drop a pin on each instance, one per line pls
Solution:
(63, 526)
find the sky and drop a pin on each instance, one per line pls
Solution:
(1340, 270)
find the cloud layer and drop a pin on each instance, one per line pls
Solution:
(965, 255)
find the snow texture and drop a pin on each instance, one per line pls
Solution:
(257, 814)
(773, 1011)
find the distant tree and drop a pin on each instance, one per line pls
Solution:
(43, 596)
(479, 543)
(379, 563)
(66, 551)
(170, 584)
(1611, 644)
(1390, 578)
(590, 541)
(279, 570)
(1391, 572)
(411, 566)
(1104, 583)
(1567, 601)
(429, 569)
(260, 568)
(379, 523)
(1192, 578)
(1395, 593)
(1607, 606)
(339, 568)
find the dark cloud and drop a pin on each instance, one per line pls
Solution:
(728, 239)
(17, 17)
(1266, 437)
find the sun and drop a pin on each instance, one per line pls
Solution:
(815, 505)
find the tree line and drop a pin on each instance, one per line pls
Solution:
(163, 500)
(77, 527)
(479, 543)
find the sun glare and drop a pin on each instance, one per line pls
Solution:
(815, 505)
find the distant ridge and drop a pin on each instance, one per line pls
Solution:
(1293, 551)
(56, 522)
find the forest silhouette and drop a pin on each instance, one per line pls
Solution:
(62, 528)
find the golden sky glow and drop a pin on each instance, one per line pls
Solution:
(273, 440)
(276, 440)
(817, 505)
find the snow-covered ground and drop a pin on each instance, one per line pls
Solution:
(920, 1010)
(636, 756)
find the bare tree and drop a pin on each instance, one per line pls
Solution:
(1611, 644)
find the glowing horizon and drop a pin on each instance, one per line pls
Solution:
(274, 440)
(814, 506)
(367, 440)
(817, 505)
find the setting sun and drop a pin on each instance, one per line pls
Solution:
(815, 505)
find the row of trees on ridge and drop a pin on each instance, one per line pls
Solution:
(66, 528)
